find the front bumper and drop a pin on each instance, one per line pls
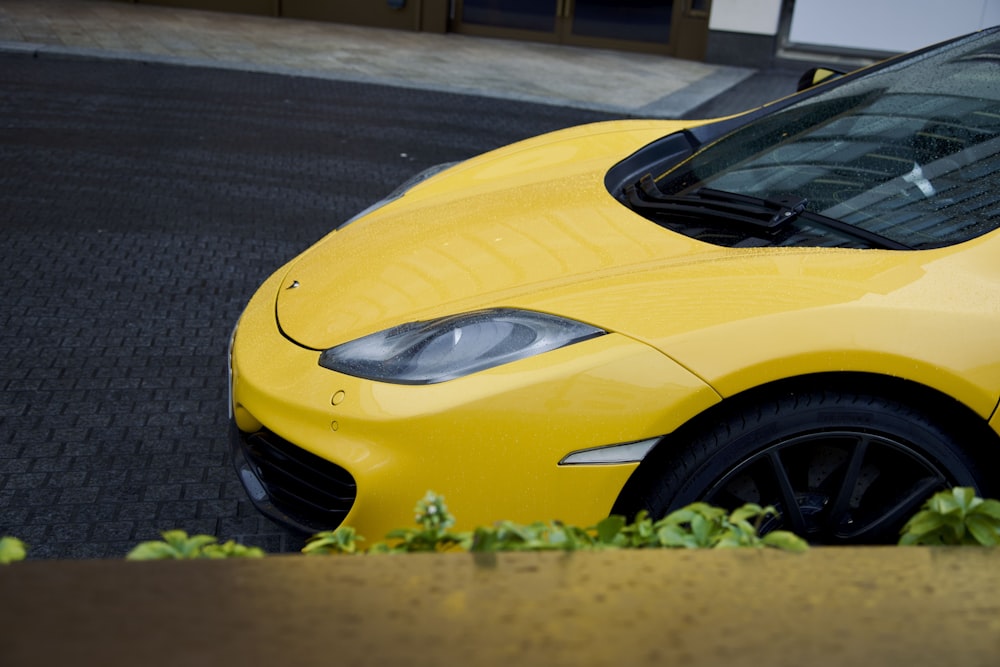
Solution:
(289, 484)
(490, 442)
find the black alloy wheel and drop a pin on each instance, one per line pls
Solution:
(840, 467)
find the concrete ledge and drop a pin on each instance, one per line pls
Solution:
(742, 49)
(874, 606)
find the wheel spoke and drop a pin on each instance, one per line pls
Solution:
(792, 513)
(849, 481)
(892, 515)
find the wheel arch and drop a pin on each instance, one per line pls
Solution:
(979, 441)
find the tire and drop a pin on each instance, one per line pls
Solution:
(841, 467)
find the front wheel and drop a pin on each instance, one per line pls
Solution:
(840, 467)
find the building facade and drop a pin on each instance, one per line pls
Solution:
(739, 32)
(754, 32)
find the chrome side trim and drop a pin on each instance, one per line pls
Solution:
(630, 452)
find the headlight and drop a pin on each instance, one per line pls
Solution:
(401, 190)
(451, 347)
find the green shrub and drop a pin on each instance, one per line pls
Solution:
(12, 549)
(955, 517)
(433, 521)
(538, 536)
(343, 540)
(697, 526)
(176, 545)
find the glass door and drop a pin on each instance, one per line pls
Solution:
(637, 25)
(533, 15)
(622, 20)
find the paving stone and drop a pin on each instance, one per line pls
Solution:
(161, 493)
(35, 536)
(112, 531)
(142, 206)
(81, 495)
(136, 510)
(70, 532)
(180, 513)
(95, 513)
(201, 491)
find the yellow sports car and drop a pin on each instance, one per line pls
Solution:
(799, 306)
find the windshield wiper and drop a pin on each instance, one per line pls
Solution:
(732, 208)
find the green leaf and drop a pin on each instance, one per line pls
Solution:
(985, 530)
(608, 529)
(785, 540)
(643, 527)
(944, 536)
(177, 545)
(175, 538)
(11, 550)
(990, 508)
(953, 517)
(741, 528)
(343, 540)
(944, 502)
(954, 529)
(184, 546)
(400, 534)
(751, 511)
(730, 540)
(196, 542)
(702, 530)
(707, 511)
(232, 549)
(924, 522)
(154, 550)
(965, 498)
(677, 537)
(744, 535)
(678, 516)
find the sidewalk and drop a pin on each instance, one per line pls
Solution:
(612, 81)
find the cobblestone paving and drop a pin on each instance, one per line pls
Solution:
(140, 206)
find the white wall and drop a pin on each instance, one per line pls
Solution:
(759, 17)
(885, 25)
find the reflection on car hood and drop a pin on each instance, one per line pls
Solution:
(498, 226)
(532, 226)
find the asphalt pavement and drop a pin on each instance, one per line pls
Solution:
(143, 197)
(141, 205)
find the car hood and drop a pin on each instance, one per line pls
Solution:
(532, 226)
(484, 233)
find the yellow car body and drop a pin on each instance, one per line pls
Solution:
(689, 325)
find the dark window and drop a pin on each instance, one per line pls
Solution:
(635, 20)
(518, 14)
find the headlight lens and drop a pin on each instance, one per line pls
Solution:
(451, 347)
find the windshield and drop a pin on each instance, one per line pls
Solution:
(910, 152)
